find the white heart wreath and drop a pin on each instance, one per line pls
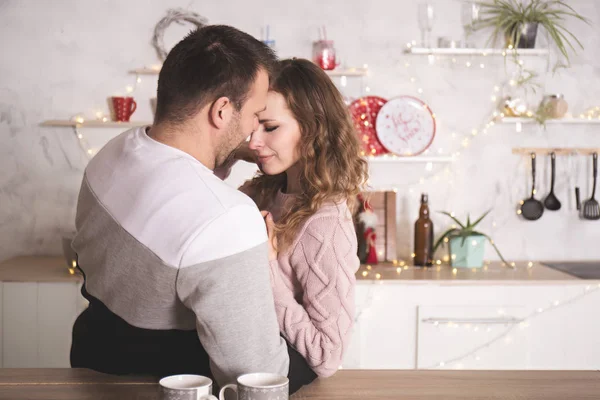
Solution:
(177, 15)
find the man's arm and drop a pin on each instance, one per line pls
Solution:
(231, 296)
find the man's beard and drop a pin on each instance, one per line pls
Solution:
(230, 142)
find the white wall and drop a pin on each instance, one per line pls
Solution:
(61, 58)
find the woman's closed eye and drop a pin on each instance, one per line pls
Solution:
(270, 128)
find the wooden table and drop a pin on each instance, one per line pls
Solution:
(81, 384)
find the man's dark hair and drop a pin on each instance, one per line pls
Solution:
(211, 62)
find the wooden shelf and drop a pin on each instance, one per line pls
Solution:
(347, 72)
(573, 121)
(473, 52)
(95, 124)
(559, 151)
(408, 160)
(145, 71)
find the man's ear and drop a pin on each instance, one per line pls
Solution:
(220, 112)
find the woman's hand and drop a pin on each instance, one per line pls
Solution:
(271, 233)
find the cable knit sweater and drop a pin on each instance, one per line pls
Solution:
(313, 285)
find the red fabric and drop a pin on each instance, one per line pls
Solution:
(370, 237)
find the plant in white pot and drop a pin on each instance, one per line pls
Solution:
(518, 21)
(467, 246)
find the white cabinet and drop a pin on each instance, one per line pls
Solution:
(472, 337)
(36, 321)
(479, 326)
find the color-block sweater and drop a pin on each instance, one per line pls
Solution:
(176, 268)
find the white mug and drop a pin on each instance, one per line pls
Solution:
(259, 386)
(186, 387)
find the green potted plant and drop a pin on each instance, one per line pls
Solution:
(518, 23)
(467, 246)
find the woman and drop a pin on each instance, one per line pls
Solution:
(308, 153)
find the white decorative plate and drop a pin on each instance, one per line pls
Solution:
(405, 126)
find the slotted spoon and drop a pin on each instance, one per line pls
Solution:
(591, 208)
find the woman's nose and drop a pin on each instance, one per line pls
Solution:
(256, 139)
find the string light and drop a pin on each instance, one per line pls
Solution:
(465, 142)
(522, 323)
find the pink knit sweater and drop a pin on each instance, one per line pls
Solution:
(313, 285)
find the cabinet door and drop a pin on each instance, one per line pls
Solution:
(57, 310)
(36, 323)
(20, 333)
(1, 331)
(472, 337)
(384, 331)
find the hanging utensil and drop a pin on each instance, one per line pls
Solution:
(577, 199)
(532, 209)
(552, 203)
(591, 208)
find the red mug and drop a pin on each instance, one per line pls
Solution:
(123, 108)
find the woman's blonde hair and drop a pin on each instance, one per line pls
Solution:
(332, 168)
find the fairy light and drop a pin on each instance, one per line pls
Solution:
(506, 337)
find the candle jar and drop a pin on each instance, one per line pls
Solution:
(554, 106)
(324, 54)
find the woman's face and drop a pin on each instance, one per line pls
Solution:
(276, 140)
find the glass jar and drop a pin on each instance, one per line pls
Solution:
(554, 106)
(324, 54)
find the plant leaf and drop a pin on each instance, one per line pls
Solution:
(494, 246)
(481, 218)
(440, 241)
(455, 220)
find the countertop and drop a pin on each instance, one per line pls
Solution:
(81, 384)
(55, 269)
(493, 273)
(37, 269)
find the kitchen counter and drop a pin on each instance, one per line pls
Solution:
(54, 269)
(82, 384)
(493, 273)
(37, 269)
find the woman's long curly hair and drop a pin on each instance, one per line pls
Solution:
(332, 167)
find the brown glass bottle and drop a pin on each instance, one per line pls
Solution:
(423, 236)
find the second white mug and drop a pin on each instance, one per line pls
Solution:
(259, 386)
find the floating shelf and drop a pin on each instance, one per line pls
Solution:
(567, 121)
(95, 124)
(559, 151)
(473, 52)
(409, 160)
(348, 72)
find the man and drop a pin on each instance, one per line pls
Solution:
(175, 261)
